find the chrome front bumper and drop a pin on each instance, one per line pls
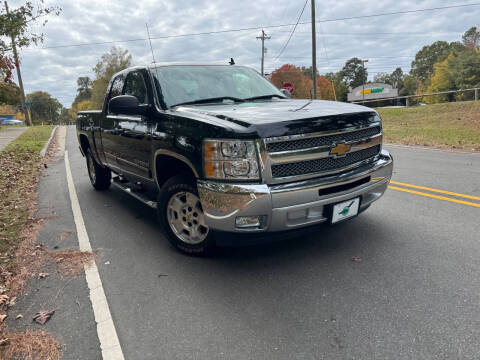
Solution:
(292, 205)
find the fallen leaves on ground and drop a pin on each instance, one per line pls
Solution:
(72, 262)
(4, 299)
(30, 345)
(28, 258)
(356, 259)
(65, 234)
(43, 316)
(43, 275)
(21, 257)
(19, 316)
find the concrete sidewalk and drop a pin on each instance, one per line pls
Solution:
(9, 134)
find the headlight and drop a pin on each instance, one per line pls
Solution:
(230, 159)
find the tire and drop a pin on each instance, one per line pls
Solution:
(181, 215)
(100, 177)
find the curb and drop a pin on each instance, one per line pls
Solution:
(43, 152)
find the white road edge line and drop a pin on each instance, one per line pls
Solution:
(109, 343)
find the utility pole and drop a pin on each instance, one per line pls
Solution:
(363, 79)
(263, 38)
(19, 74)
(314, 52)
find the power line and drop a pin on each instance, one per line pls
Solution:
(396, 13)
(374, 35)
(265, 27)
(377, 33)
(341, 58)
(88, 44)
(324, 44)
(291, 34)
(293, 71)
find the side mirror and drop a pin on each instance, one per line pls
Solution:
(126, 104)
(286, 93)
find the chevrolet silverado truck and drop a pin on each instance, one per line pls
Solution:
(218, 148)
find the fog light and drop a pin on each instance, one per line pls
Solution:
(250, 222)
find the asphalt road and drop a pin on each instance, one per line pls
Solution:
(7, 135)
(414, 294)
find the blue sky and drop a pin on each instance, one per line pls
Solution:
(387, 41)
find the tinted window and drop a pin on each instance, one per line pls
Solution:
(135, 86)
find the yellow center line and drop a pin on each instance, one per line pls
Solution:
(434, 196)
(435, 190)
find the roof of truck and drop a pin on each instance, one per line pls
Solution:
(161, 64)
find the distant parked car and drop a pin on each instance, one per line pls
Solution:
(12, 122)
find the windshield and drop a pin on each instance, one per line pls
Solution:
(189, 83)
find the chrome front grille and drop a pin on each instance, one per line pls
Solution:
(323, 164)
(327, 140)
(299, 157)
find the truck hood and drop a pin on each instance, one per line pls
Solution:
(282, 117)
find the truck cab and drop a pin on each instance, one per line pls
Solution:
(220, 148)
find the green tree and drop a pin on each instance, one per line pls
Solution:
(382, 77)
(44, 108)
(471, 38)
(65, 117)
(9, 93)
(22, 24)
(409, 86)
(458, 71)
(353, 73)
(19, 22)
(465, 69)
(307, 71)
(395, 78)
(109, 64)
(422, 66)
(341, 89)
(84, 89)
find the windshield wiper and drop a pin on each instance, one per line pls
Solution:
(264, 97)
(210, 100)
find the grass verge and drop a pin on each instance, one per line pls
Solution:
(19, 170)
(20, 166)
(453, 125)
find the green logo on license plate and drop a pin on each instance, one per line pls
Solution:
(346, 209)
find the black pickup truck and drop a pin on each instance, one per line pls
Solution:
(220, 148)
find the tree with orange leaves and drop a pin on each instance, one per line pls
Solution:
(302, 84)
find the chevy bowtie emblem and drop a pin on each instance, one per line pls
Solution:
(340, 149)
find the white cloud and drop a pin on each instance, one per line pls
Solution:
(84, 21)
